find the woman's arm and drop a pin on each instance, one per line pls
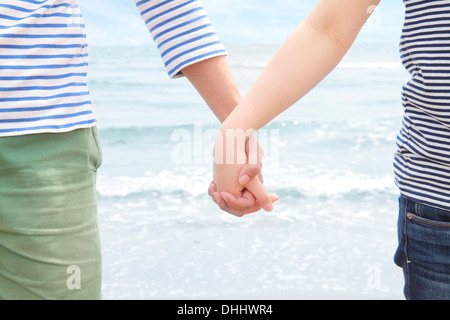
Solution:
(309, 54)
(213, 80)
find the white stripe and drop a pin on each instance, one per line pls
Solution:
(51, 81)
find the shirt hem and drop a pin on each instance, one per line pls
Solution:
(48, 130)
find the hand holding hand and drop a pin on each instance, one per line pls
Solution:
(237, 187)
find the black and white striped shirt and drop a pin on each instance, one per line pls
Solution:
(422, 162)
(44, 58)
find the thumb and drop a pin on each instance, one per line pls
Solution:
(257, 189)
(248, 172)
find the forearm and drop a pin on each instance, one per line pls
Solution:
(213, 80)
(310, 53)
(306, 57)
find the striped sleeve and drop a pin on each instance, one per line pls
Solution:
(182, 32)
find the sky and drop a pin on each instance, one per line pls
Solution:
(238, 22)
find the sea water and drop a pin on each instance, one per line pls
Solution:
(332, 234)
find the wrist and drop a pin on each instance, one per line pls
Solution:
(230, 145)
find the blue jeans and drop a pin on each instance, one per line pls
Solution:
(424, 250)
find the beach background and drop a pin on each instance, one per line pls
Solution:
(332, 234)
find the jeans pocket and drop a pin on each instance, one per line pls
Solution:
(428, 244)
(427, 221)
(424, 250)
(428, 257)
(96, 154)
(427, 236)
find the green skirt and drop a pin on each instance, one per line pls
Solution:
(49, 238)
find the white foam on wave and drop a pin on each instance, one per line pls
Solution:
(193, 182)
(319, 181)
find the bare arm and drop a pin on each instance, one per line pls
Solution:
(189, 46)
(213, 80)
(309, 54)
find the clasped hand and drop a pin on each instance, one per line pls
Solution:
(237, 187)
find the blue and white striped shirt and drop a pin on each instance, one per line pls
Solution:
(44, 58)
(422, 162)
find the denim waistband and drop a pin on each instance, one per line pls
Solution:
(423, 210)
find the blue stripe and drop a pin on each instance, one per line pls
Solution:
(156, 16)
(59, 76)
(437, 195)
(159, 25)
(423, 103)
(46, 25)
(415, 146)
(50, 107)
(188, 42)
(49, 127)
(49, 66)
(41, 36)
(428, 19)
(424, 5)
(62, 15)
(181, 25)
(60, 116)
(432, 92)
(152, 8)
(21, 9)
(407, 175)
(182, 34)
(8, 6)
(191, 50)
(38, 98)
(33, 1)
(72, 84)
(41, 46)
(56, 56)
(444, 174)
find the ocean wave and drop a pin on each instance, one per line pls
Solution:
(187, 145)
(371, 65)
(194, 183)
(370, 125)
(259, 65)
(346, 185)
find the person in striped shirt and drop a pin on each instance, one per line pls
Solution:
(49, 146)
(422, 160)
